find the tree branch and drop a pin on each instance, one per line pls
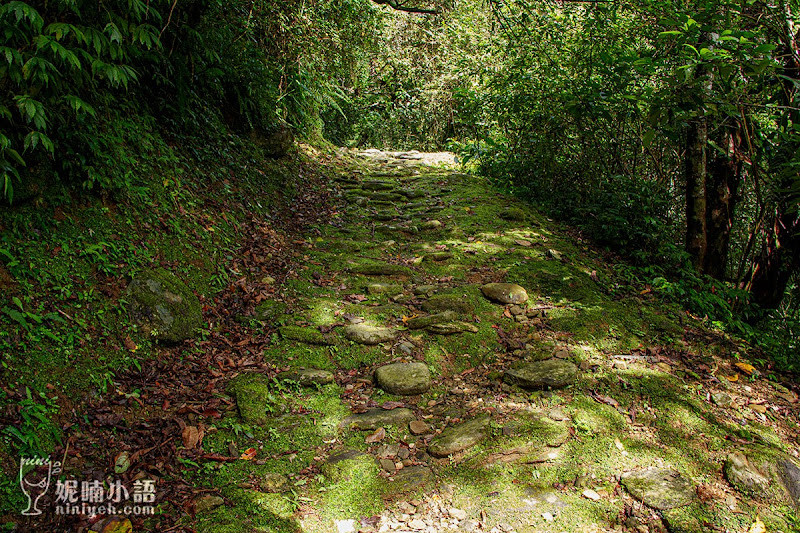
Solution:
(394, 4)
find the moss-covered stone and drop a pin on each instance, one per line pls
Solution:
(164, 305)
(513, 213)
(304, 335)
(269, 310)
(460, 437)
(255, 401)
(446, 302)
(425, 321)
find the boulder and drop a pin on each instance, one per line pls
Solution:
(164, 305)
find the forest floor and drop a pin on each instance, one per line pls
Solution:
(568, 400)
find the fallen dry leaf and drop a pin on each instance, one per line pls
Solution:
(192, 436)
(249, 454)
(378, 436)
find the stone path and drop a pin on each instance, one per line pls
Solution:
(444, 361)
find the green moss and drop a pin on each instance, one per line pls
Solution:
(305, 335)
(254, 399)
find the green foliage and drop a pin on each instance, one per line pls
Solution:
(37, 432)
(60, 62)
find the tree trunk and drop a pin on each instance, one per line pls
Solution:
(779, 259)
(695, 171)
(722, 185)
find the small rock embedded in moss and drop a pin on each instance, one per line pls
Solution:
(255, 401)
(162, 303)
(274, 482)
(207, 503)
(426, 321)
(451, 328)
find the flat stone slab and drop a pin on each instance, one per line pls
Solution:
(307, 377)
(505, 293)
(410, 478)
(460, 437)
(384, 288)
(404, 378)
(426, 321)
(451, 328)
(370, 335)
(376, 418)
(542, 375)
(438, 304)
(659, 488)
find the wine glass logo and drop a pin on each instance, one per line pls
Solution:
(34, 480)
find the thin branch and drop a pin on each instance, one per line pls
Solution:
(397, 6)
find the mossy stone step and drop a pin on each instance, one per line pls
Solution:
(439, 256)
(307, 377)
(404, 378)
(441, 303)
(370, 335)
(541, 375)
(659, 488)
(378, 185)
(384, 288)
(375, 418)
(460, 437)
(429, 320)
(254, 400)
(451, 328)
